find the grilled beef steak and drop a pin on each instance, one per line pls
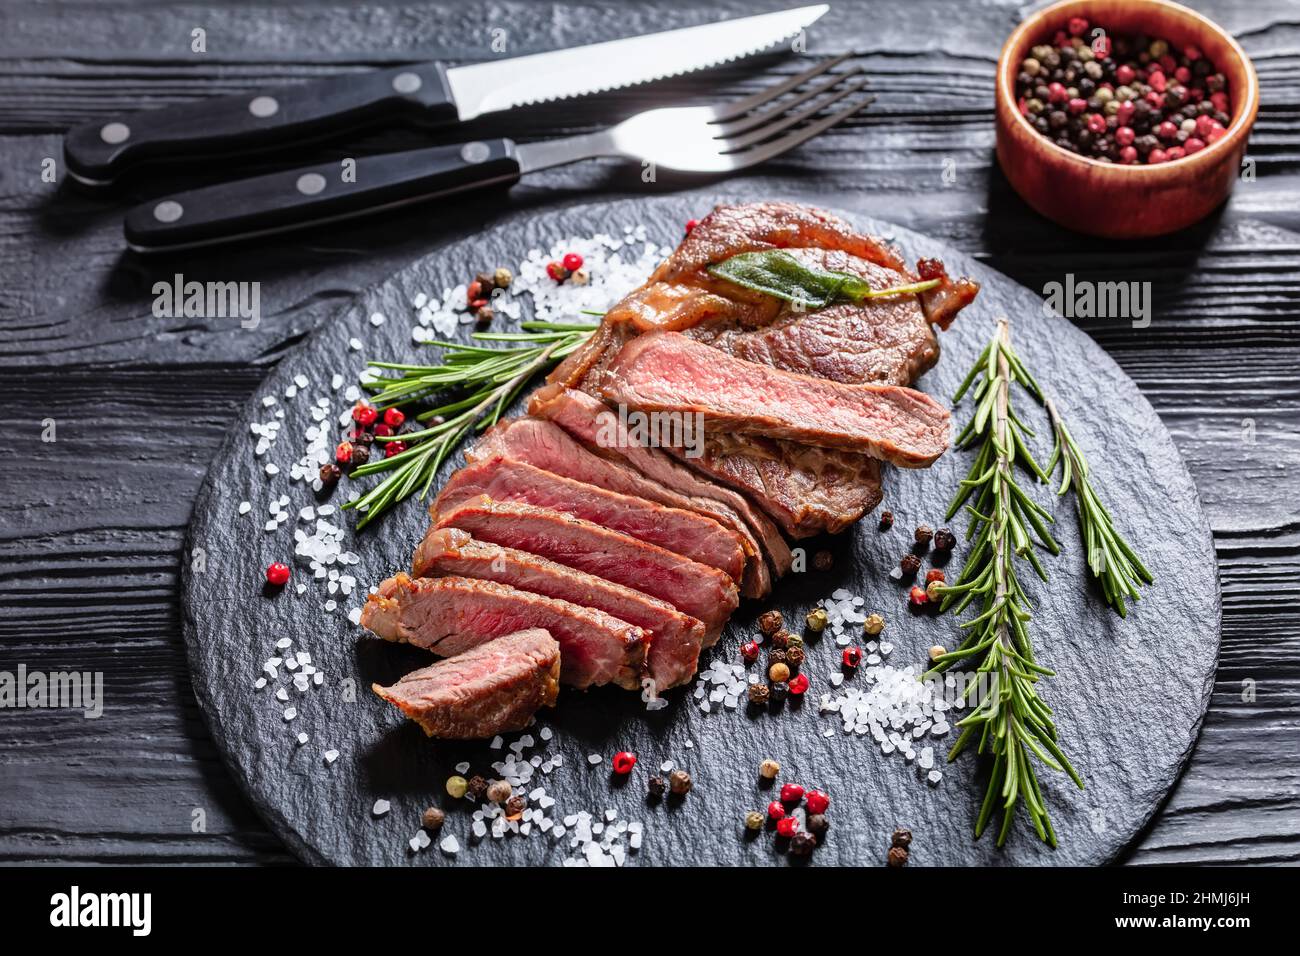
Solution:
(588, 419)
(544, 445)
(666, 371)
(693, 588)
(674, 637)
(685, 532)
(490, 689)
(450, 615)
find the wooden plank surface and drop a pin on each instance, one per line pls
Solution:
(92, 526)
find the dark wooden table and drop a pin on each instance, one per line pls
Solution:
(92, 524)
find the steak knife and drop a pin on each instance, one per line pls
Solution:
(97, 153)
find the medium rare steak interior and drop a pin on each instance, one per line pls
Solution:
(491, 689)
(632, 557)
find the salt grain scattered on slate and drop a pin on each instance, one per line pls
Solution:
(381, 807)
(331, 756)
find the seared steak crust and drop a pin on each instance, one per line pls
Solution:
(490, 689)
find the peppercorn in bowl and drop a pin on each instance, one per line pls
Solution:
(1123, 118)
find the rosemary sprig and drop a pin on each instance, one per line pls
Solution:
(1009, 719)
(480, 382)
(1110, 558)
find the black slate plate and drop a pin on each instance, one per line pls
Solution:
(1130, 696)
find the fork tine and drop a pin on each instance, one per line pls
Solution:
(735, 127)
(743, 106)
(776, 147)
(734, 144)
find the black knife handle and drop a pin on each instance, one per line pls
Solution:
(97, 153)
(294, 198)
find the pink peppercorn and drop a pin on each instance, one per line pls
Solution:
(1125, 75)
(1166, 130)
(572, 261)
(1125, 136)
(1183, 75)
(1203, 126)
(1193, 53)
(1217, 133)
(1220, 101)
(394, 448)
(277, 574)
(1125, 113)
(1193, 145)
(1077, 26)
(1096, 123)
(1157, 156)
(787, 827)
(798, 684)
(1175, 152)
(791, 793)
(1155, 99)
(1128, 155)
(776, 810)
(1157, 81)
(1077, 105)
(1057, 93)
(818, 801)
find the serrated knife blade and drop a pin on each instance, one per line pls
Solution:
(540, 77)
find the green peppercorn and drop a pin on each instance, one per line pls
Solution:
(753, 820)
(680, 783)
(793, 640)
(656, 786)
(817, 620)
(874, 624)
(433, 817)
(502, 277)
(457, 787)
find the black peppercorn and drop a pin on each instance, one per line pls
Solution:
(897, 856)
(902, 837)
(823, 561)
(802, 844)
(484, 315)
(758, 693)
(944, 540)
(776, 656)
(818, 824)
(886, 520)
(924, 534)
(360, 436)
(486, 283)
(910, 564)
(477, 787)
(794, 656)
(769, 622)
(360, 455)
(330, 474)
(780, 638)
(778, 691)
(656, 786)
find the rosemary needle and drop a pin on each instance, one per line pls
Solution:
(1110, 558)
(1009, 720)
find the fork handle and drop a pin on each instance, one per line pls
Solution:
(312, 195)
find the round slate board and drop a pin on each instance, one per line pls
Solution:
(1129, 697)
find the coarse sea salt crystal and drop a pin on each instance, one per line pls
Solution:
(450, 845)
(331, 756)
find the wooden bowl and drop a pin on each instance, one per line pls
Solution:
(1107, 199)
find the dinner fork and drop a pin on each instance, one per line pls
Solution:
(693, 139)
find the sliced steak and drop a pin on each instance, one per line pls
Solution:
(882, 340)
(806, 490)
(546, 445)
(490, 689)
(451, 615)
(684, 532)
(591, 421)
(674, 637)
(693, 588)
(666, 371)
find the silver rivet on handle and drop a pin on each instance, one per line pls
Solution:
(263, 106)
(114, 133)
(168, 211)
(407, 82)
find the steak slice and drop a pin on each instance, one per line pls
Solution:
(881, 340)
(547, 446)
(693, 588)
(674, 637)
(451, 615)
(806, 490)
(666, 371)
(490, 689)
(591, 421)
(684, 532)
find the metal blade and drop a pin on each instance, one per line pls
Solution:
(518, 81)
